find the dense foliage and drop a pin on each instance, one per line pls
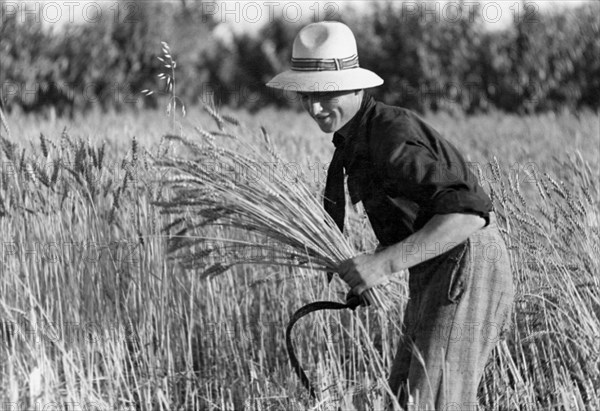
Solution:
(542, 61)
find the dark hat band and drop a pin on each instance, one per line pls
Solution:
(305, 64)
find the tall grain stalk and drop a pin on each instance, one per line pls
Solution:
(169, 64)
(3, 121)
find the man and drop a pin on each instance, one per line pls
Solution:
(428, 212)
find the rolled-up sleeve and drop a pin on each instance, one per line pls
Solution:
(418, 164)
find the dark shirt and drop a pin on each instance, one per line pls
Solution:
(403, 171)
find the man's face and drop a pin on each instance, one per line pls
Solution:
(332, 109)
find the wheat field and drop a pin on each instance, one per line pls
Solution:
(96, 316)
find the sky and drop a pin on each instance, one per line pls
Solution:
(249, 15)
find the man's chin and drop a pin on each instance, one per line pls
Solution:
(327, 128)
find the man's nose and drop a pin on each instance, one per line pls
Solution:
(315, 107)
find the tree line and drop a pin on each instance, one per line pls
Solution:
(549, 61)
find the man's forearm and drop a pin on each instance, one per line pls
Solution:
(440, 234)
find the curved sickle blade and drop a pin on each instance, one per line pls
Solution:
(301, 312)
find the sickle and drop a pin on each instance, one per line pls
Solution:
(352, 303)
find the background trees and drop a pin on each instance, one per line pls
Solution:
(550, 62)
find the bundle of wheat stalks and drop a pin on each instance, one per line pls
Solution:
(230, 195)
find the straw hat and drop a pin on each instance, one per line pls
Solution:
(324, 58)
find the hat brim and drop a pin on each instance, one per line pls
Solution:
(319, 81)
